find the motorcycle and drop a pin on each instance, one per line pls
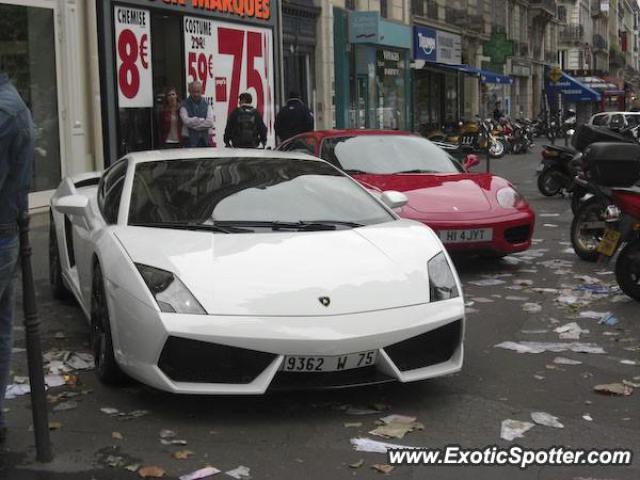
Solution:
(557, 170)
(603, 222)
(521, 138)
(471, 137)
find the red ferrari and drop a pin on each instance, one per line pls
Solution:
(476, 212)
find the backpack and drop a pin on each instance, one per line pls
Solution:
(246, 130)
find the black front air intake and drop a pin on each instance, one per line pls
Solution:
(517, 234)
(431, 348)
(185, 360)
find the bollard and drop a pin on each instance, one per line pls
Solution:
(34, 348)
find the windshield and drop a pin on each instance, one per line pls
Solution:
(388, 154)
(251, 193)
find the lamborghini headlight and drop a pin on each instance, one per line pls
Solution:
(170, 293)
(442, 283)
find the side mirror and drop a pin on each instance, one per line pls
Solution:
(393, 199)
(471, 161)
(72, 205)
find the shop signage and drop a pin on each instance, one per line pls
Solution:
(364, 27)
(133, 53)
(389, 63)
(520, 70)
(230, 59)
(498, 48)
(433, 45)
(260, 9)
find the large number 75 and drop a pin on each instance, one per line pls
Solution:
(231, 42)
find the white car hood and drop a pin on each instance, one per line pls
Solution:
(285, 273)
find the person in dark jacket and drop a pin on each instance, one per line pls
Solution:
(245, 128)
(16, 157)
(294, 118)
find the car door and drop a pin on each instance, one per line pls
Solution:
(109, 195)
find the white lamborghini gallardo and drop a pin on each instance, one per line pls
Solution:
(239, 271)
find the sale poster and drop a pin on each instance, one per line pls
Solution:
(230, 59)
(133, 57)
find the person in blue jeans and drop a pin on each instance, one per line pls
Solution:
(16, 156)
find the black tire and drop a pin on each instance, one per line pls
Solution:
(550, 182)
(585, 240)
(628, 269)
(107, 368)
(58, 288)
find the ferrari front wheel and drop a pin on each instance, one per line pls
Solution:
(107, 368)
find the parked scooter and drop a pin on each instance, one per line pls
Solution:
(471, 137)
(612, 176)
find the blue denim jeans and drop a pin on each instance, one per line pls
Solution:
(8, 261)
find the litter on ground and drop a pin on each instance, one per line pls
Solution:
(546, 419)
(512, 429)
(539, 347)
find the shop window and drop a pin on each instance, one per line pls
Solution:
(138, 128)
(27, 55)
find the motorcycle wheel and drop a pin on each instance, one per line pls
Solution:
(587, 229)
(496, 149)
(628, 269)
(550, 182)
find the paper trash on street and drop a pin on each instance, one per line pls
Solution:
(202, 473)
(546, 419)
(374, 446)
(512, 429)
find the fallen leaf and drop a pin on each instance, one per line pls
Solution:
(152, 471)
(357, 464)
(383, 468)
(116, 436)
(182, 454)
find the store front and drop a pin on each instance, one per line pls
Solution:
(563, 92)
(375, 74)
(148, 47)
(437, 90)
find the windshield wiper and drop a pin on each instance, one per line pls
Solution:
(191, 226)
(300, 225)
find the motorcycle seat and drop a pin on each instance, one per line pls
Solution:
(560, 148)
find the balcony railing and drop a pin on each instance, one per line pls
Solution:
(425, 8)
(599, 42)
(571, 33)
(549, 6)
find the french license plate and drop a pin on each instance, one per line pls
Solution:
(609, 242)
(303, 363)
(466, 236)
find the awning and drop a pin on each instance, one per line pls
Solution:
(485, 76)
(570, 88)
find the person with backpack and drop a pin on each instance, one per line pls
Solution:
(245, 128)
(294, 118)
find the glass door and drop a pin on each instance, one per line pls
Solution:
(28, 57)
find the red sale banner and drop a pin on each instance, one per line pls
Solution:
(133, 54)
(230, 59)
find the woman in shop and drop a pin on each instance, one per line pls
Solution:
(169, 122)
